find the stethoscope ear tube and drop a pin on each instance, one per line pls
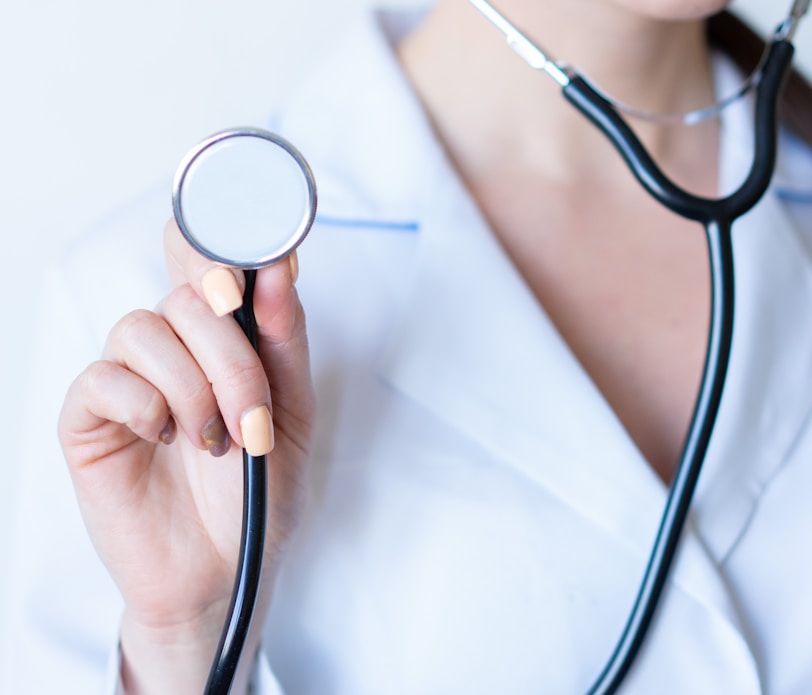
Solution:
(773, 78)
(607, 118)
(252, 544)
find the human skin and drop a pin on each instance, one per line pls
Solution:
(163, 512)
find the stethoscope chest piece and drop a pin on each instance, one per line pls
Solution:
(244, 197)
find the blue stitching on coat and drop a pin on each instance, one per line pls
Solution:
(368, 224)
(793, 195)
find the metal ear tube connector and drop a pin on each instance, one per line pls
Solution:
(531, 53)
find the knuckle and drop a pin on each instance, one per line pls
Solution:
(181, 299)
(93, 379)
(143, 410)
(243, 375)
(196, 394)
(134, 327)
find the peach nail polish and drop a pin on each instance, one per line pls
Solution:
(293, 259)
(257, 431)
(221, 290)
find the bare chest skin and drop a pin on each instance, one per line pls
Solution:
(626, 283)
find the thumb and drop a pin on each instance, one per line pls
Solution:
(283, 348)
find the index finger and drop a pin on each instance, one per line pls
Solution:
(221, 286)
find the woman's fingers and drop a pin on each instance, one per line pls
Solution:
(280, 321)
(202, 366)
(221, 286)
(108, 393)
(213, 382)
(144, 343)
(229, 363)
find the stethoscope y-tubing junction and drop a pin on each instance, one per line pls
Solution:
(717, 215)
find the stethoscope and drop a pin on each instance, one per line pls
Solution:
(247, 198)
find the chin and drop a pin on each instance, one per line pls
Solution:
(675, 10)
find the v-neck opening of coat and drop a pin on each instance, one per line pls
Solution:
(432, 351)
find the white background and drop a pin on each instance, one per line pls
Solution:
(99, 100)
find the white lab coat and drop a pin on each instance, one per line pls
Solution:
(479, 519)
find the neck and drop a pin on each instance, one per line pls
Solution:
(489, 106)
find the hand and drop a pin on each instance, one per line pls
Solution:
(152, 435)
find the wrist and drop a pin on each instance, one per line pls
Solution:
(168, 658)
(178, 658)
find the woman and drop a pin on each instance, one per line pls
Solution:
(507, 336)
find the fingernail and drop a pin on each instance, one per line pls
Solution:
(257, 431)
(293, 259)
(167, 435)
(215, 436)
(222, 291)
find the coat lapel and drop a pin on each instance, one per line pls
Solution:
(474, 348)
(768, 395)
